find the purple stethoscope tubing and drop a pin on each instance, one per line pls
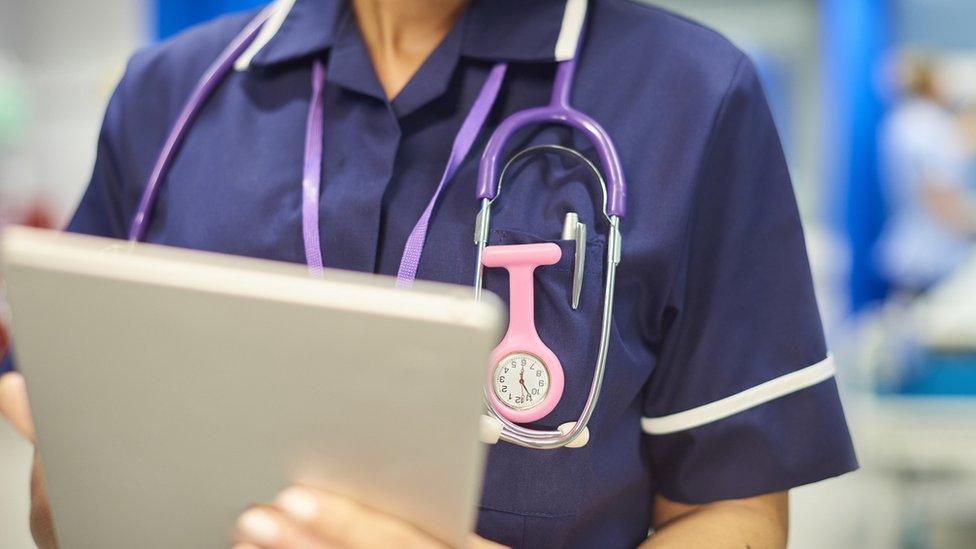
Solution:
(203, 90)
(558, 112)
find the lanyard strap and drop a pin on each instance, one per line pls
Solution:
(470, 128)
(312, 172)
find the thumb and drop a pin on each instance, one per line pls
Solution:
(14, 405)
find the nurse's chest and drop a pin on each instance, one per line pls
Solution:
(236, 187)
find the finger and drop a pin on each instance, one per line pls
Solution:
(267, 528)
(245, 546)
(41, 523)
(477, 542)
(349, 524)
(14, 405)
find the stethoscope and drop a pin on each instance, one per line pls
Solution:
(519, 351)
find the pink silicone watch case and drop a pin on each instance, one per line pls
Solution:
(521, 260)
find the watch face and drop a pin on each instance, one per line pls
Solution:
(520, 381)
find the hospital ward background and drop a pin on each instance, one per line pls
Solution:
(876, 105)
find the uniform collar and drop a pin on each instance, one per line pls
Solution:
(494, 30)
(513, 30)
(305, 28)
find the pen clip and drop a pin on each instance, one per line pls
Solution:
(574, 230)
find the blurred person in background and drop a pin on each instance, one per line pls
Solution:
(932, 215)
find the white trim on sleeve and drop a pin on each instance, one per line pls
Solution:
(281, 10)
(569, 33)
(739, 402)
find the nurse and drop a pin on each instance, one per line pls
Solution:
(719, 394)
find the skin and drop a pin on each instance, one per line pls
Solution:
(759, 522)
(16, 409)
(951, 208)
(309, 519)
(400, 35)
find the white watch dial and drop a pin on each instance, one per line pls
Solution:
(520, 381)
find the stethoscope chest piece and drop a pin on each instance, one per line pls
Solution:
(525, 378)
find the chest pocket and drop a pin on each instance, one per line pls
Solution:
(551, 483)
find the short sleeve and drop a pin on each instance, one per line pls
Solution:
(100, 211)
(743, 401)
(7, 364)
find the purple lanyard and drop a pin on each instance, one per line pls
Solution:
(312, 165)
(312, 172)
(470, 128)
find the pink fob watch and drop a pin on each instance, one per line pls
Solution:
(525, 379)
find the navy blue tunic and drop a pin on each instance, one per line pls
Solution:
(718, 381)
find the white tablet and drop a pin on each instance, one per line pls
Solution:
(172, 388)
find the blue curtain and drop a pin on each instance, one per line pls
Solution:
(854, 40)
(172, 16)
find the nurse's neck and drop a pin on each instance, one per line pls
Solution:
(401, 34)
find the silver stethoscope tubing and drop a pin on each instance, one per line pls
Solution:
(568, 433)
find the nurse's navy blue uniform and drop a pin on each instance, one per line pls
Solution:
(718, 381)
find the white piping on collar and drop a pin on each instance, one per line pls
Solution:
(281, 10)
(740, 402)
(572, 28)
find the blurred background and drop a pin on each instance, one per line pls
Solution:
(876, 104)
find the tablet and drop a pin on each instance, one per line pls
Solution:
(172, 388)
